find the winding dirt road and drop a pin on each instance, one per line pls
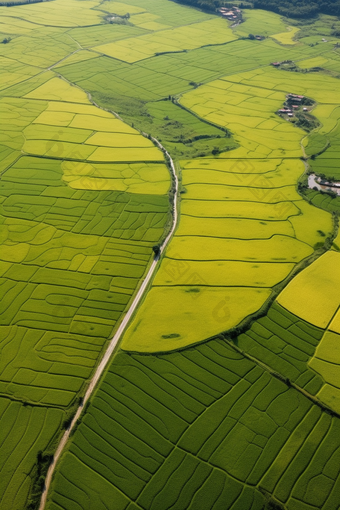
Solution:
(114, 341)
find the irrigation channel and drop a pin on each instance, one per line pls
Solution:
(114, 341)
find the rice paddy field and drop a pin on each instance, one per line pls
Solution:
(224, 390)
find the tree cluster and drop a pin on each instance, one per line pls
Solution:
(289, 8)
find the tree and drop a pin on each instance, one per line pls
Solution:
(157, 250)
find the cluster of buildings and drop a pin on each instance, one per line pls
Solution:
(231, 13)
(292, 104)
(278, 64)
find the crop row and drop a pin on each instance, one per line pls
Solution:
(285, 343)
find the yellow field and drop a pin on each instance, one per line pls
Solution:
(330, 396)
(328, 350)
(120, 140)
(57, 89)
(249, 210)
(314, 295)
(268, 175)
(173, 317)
(246, 169)
(304, 224)
(233, 228)
(247, 194)
(278, 248)
(98, 123)
(287, 37)
(222, 273)
(133, 178)
(116, 154)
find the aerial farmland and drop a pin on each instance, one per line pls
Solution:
(170, 256)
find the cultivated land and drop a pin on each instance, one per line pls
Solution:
(224, 392)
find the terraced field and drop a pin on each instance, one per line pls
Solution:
(224, 392)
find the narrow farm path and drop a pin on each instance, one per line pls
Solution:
(114, 341)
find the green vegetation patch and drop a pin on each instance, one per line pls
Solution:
(285, 343)
(201, 425)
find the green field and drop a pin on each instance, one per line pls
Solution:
(224, 391)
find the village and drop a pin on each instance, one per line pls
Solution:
(231, 14)
(293, 104)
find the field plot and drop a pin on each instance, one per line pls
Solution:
(229, 434)
(176, 39)
(319, 284)
(288, 36)
(260, 22)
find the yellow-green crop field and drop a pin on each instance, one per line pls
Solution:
(288, 36)
(223, 392)
(314, 294)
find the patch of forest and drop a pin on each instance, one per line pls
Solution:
(289, 8)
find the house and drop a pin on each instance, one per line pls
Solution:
(275, 64)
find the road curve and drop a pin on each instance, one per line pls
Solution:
(114, 341)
